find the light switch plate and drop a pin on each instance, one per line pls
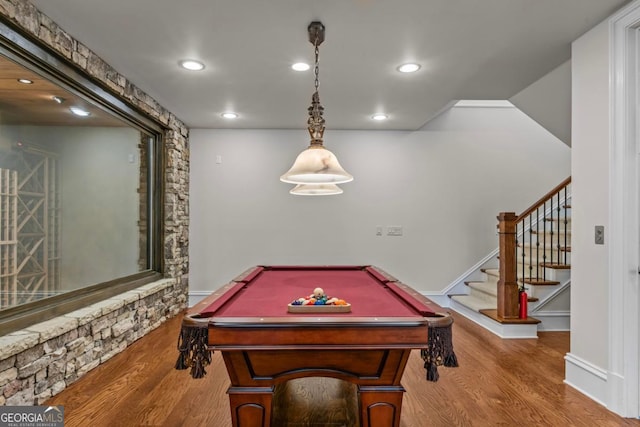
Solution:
(394, 230)
(599, 237)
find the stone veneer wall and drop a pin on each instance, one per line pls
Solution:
(40, 361)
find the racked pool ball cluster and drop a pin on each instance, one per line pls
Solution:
(318, 297)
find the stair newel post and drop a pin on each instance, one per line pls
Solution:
(508, 297)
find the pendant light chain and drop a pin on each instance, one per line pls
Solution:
(316, 121)
(316, 68)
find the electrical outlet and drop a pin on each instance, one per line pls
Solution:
(394, 230)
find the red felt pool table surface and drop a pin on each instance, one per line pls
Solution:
(268, 291)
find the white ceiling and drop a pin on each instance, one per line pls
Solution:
(469, 49)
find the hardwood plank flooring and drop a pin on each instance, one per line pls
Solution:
(499, 383)
(296, 403)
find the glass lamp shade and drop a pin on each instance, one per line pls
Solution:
(316, 190)
(316, 165)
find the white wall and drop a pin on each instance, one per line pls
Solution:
(605, 171)
(444, 184)
(590, 187)
(548, 101)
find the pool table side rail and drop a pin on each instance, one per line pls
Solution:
(317, 321)
(366, 335)
(221, 295)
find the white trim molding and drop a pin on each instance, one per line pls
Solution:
(559, 320)
(439, 298)
(588, 379)
(196, 296)
(623, 395)
(504, 331)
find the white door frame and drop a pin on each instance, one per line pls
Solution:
(623, 375)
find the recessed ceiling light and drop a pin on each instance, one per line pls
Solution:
(379, 117)
(300, 66)
(229, 115)
(58, 99)
(25, 81)
(79, 111)
(192, 65)
(409, 68)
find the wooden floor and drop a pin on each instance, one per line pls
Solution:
(498, 383)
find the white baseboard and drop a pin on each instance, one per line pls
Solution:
(499, 329)
(196, 296)
(553, 320)
(585, 377)
(440, 299)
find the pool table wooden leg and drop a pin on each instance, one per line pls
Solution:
(250, 406)
(380, 405)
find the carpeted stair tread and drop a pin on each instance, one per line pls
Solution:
(533, 247)
(532, 261)
(488, 288)
(554, 232)
(474, 303)
(556, 266)
(552, 238)
(541, 282)
(491, 271)
(562, 219)
(558, 223)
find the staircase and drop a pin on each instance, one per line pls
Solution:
(534, 256)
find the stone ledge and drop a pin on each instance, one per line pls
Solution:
(155, 287)
(109, 305)
(17, 342)
(129, 297)
(53, 328)
(85, 315)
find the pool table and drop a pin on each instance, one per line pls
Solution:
(263, 344)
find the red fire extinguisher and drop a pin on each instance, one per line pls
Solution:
(524, 299)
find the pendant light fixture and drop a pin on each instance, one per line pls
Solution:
(316, 190)
(316, 170)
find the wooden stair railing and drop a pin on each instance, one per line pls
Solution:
(548, 251)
